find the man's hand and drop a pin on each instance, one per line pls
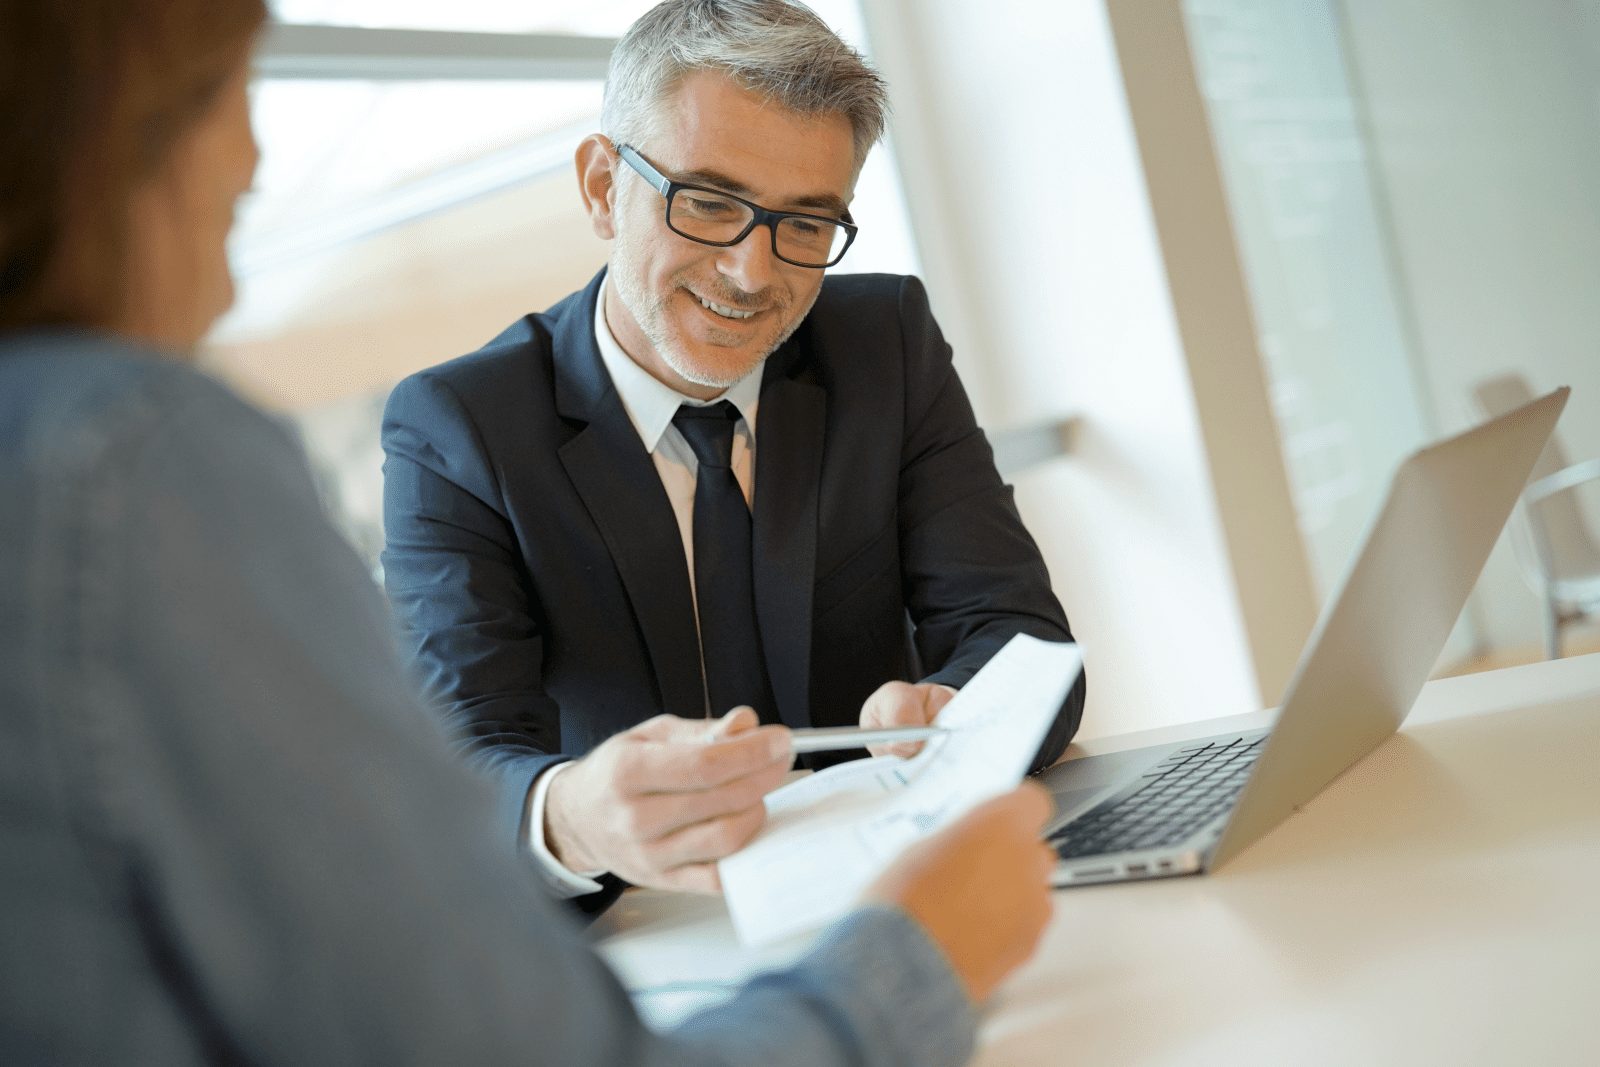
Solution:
(659, 804)
(979, 887)
(903, 704)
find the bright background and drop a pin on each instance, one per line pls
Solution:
(1414, 192)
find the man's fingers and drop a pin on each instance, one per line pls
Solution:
(686, 860)
(669, 729)
(708, 841)
(902, 704)
(741, 719)
(894, 704)
(675, 766)
(691, 878)
(655, 815)
(716, 764)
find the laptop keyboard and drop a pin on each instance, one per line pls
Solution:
(1175, 798)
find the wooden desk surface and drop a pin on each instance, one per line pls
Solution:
(1438, 904)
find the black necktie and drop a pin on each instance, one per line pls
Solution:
(730, 639)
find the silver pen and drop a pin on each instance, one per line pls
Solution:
(827, 738)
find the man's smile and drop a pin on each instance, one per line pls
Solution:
(730, 316)
(725, 312)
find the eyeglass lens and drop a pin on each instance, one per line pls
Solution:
(705, 216)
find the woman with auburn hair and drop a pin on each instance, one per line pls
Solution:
(231, 833)
(128, 141)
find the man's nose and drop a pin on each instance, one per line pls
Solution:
(750, 264)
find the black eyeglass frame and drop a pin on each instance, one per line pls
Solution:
(760, 216)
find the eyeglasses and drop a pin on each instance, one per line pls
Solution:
(714, 218)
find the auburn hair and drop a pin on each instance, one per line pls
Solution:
(94, 94)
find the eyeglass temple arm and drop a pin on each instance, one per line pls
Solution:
(646, 171)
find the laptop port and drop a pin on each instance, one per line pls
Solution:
(1135, 868)
(1165, 865)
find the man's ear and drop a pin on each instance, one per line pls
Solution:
(596, 161)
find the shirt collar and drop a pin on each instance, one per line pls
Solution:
(650, 403)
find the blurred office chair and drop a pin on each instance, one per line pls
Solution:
(1559, 554)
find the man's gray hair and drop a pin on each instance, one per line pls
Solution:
(776, 48)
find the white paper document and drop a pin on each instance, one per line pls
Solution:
(830, 834)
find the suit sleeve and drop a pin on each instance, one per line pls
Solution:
(973, 576)
(466, 620)
(310, 867)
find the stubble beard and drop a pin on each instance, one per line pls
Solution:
(650, 310)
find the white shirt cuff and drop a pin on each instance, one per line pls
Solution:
(561, 882)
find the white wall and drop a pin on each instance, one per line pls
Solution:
(1303, 205)
(1484, 119)
(356, 319)
(1021, 171)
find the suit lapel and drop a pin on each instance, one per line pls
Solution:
(623, 493)
(789, 440)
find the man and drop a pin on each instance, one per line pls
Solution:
(709, 481)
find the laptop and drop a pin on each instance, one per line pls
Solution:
(1189, 807)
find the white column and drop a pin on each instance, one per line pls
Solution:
(1041, 251)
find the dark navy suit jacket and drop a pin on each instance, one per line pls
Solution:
(537, 571)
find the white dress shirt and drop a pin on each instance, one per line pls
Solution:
(650, 405)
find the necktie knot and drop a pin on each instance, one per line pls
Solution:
(709, 431)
